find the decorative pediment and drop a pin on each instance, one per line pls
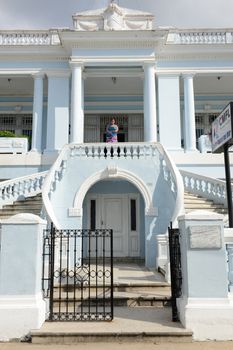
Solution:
(111, 18)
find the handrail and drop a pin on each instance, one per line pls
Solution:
(26, 186)
(179, 186)
(205, 186)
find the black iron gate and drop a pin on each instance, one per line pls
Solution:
(175, 268)
(78, 274)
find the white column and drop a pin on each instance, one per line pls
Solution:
(58, 110)
(150, 120)
(37, 112)
(189, 114)
(77, 104)
(169, 111)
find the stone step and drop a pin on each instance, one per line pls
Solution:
(13, 210)
(204, 206)
(118, 300)
(138, 296)
(31, 205)
(22, 206)
(215, 210)
(159, 286)
(141, 324)
(197, 200)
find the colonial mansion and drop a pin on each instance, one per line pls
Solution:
(164, 86)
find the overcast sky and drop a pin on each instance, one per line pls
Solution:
(36, 14)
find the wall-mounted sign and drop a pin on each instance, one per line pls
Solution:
(222, 128)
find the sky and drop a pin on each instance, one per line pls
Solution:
(45, 14)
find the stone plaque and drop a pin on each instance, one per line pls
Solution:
(205, 237)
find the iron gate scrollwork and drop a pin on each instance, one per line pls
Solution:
(175, 268)
(78, 274)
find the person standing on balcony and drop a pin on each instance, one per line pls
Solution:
(111, 131)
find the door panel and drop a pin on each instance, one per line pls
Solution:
(115, 217)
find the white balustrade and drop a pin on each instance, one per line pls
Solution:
(29, 38)
(203, 37)
(25, 186)
(204, 186)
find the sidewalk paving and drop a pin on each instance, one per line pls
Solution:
(118, 346)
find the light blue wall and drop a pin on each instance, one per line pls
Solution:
(204, 271)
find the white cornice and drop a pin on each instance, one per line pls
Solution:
(194, 71)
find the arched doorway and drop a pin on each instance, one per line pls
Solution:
(117, 204)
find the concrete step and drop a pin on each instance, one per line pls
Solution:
(21, 207)
(133, 294)
(141, 324)
(157, 297)
(204, 206)
(214, 210)
(13, 211)
(195, 202)
(31, 205)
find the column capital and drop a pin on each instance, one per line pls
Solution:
(188, 75)
(76, 64)
(148, 64)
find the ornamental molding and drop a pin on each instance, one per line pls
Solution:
(112, 44)
(75, 212)
(15, 56)
(116, 172)
(112, 18)
(194, 56)
(151, 211)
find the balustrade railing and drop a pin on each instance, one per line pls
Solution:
(103, 150)
(204, 186)
(14, 38)
(200, 37)
(26, 186)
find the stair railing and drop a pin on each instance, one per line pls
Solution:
(173, 176)
(204, 186)
(21, 187)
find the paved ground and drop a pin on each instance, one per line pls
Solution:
(118, 346)
(131, 320)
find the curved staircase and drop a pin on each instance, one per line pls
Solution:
(34, 205)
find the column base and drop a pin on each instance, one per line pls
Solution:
(20, 314)
(208, 318)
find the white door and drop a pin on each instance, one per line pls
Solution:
(115, 212)
(115, 217)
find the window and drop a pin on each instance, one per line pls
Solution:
(93, 214)
(133, 215)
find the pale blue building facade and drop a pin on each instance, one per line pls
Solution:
(61, 87)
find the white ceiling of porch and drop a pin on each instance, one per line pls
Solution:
(23, 86)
